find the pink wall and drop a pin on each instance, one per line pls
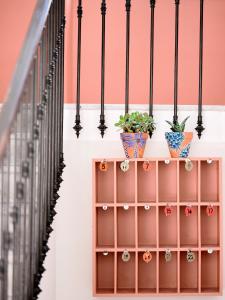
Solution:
(214, 51)
(14, 21)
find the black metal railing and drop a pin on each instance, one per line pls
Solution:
(31, 153)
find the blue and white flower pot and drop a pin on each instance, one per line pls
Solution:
(179, 143)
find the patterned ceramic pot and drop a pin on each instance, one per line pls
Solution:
(134, 144)
(179, 143)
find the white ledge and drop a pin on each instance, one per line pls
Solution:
(145, 107)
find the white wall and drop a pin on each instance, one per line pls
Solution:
(69, 262)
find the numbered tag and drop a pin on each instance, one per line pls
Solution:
(188, 165)
(209, 210)
(168, 210)
(168, 255)
(124, 166)
(103, 166)
(188, 211)
(126, 207)
(125, 256)
(147, 257)
(146, 166)
(190, 256)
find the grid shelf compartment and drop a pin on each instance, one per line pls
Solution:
(167, 228)
(210, 181)
(167, 174)
(126, 227)
(146, 274)
(188, 182)
(189, 227)
(210, 228)
(188, 274)
(168, 274)
(125, 183)
(146, 182)
(105, 227)
(104, 265)
(146, 227)
(105, 184)
(125, 274)
(210, 274)
(129, 215)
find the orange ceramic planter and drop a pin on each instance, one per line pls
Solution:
(134, 144)
(179, 143)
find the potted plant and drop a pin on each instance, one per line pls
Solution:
(179, 142)
(136, 128)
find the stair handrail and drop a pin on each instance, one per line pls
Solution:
(11, 103)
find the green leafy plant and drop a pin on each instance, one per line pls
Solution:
(136, 122)
(178, 127)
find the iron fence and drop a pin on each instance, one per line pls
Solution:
(31, 153)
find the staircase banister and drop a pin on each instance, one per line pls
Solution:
(22, 68)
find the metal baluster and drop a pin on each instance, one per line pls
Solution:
(175, 116)
(128, 8)
(152, 23)
(102, 127)
(200, 127)
(77, 127)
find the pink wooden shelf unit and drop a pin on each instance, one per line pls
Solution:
(129, 215)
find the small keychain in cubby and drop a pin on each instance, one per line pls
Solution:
(147, 257)
(168, 255)
(190, 256)
(124, 166)
(146, 166)
(103, 166)
(104, 207)
(188, 210)
(188, 165)
(210, 210)
(125, 256)
(168, 210)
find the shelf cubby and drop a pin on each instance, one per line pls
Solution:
(125, 227)
(188, 182)
(105, 184)
(168, 282)
(146, 182)
(210, 233)
(146, 227)
(210, 272)
(147, 274)
(129, 215)
(189, 274)
(167, 177)
(125, 183)
(105, 227)
(210, 181)
(125, 274)
(167, 228)
(189, 228)
(105, 265)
